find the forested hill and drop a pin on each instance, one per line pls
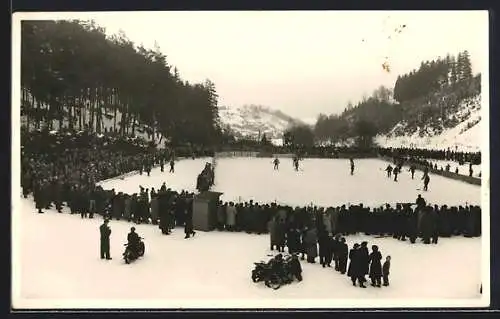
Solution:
(425, 102)
(74, 76)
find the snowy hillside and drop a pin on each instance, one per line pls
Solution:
(249, 120)
(466, 136)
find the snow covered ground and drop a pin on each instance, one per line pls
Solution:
(321, 181)
(56, 256)
(59, 266)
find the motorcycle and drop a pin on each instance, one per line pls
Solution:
(272, 279)
(130, 254)
(260, 271)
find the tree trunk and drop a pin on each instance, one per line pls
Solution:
(61, 116)
(134, 116)
(92, 93)
(80, 113)
(115, 107)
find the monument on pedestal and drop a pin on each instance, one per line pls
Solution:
(205, 210)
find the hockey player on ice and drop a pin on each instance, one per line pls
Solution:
(395, 171)
(389, 171)
(352, 165)
(426, 179)
(412, 170)
(276, 163)
(172, 165)
(296, 162)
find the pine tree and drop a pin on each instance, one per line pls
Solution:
(453, 70)
(466, 66)
(460, 67)
(448, 63)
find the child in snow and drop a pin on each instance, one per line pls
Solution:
(385, 270)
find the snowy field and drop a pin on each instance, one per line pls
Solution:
(323, 182)
(59, 266)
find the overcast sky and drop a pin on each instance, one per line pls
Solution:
(302, 62)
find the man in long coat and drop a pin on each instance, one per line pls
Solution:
(154, 209)
(310, 243)
(231, 216)
(375, 266)
(364, 259)
(105, 232)
(343, 252)
(355, 271)
(188, 225)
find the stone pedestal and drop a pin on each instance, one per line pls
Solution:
(205, 210)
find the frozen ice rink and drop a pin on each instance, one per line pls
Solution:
(323, 182)
(57, 260)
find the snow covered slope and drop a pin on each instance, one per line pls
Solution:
(466, 136)
(249, 120)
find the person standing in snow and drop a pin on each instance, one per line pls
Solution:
(342, 252)
(355, 271)
(230, 217)
(188, 225)
(375, 266)
(105, 234)
(311, 244)
(364, 260)
(385, 270)
(324, 247)
(351, 161)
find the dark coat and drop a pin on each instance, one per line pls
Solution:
(353, 270)
(293, 241)
(188, 226)
(310, 242)
(375, 264)
(364, 260)
(280, 234)
(324, 244)
(386, 268)
(105, 232)
(295, 267)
